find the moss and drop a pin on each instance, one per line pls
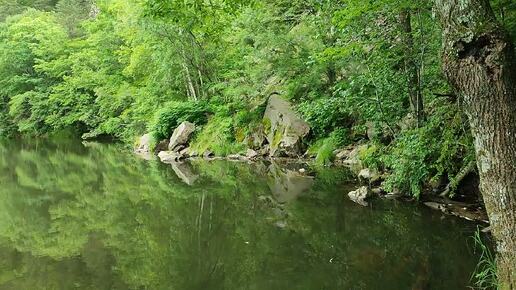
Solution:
(240, 135)
(278, 135)
(267, 125)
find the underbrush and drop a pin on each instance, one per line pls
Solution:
(174, 113)
(218, 136)
(435, 152)
(323, 149)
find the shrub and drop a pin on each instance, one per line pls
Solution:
(323, 148)
(217, 136)
(325, 115)
(173, 113)
(438, 149)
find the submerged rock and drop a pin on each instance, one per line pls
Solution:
(284, 129)
(181, 135)
(360, 195)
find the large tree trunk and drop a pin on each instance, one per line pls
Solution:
(479, 61)
(411, 68)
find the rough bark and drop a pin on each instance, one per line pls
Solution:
(411, 68)
(479, 61)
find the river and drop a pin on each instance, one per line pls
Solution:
(94, 216)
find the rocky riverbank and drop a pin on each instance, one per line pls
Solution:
(281, 139)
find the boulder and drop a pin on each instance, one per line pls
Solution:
(360, 195)
(264, 151)
(256, 139)
(179, 148)
(369, 175)
(353, 159)
(162, 146)
(169, 156)
(144, 144)
(251, 154)
(377, 191)
(284, 129)
(181, 135)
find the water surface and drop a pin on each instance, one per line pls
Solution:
(92, 216)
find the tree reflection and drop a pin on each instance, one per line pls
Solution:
(96, 217)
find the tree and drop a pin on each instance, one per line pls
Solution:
(479, 61)
(411, 67)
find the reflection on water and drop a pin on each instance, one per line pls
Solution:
(95, 217)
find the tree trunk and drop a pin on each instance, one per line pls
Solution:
(479, 61)
(411, 69)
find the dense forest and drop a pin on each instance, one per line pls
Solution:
(354, 70)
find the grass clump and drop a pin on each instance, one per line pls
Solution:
(485, 276)
(323, 148)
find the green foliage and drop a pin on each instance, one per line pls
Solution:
(440, 148)
(325, 115)
(174, 113)
(323, 149)
(217, 136)
(371, 156)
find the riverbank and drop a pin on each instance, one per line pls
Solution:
(370, 181)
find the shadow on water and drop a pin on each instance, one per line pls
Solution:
(95, 217)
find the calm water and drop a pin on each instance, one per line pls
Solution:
(92, 216)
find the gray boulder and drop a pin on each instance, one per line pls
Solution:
(181, 135)
(353, 159)
(284, 129)
(360, 195)
(341, 154)
(208, 154)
